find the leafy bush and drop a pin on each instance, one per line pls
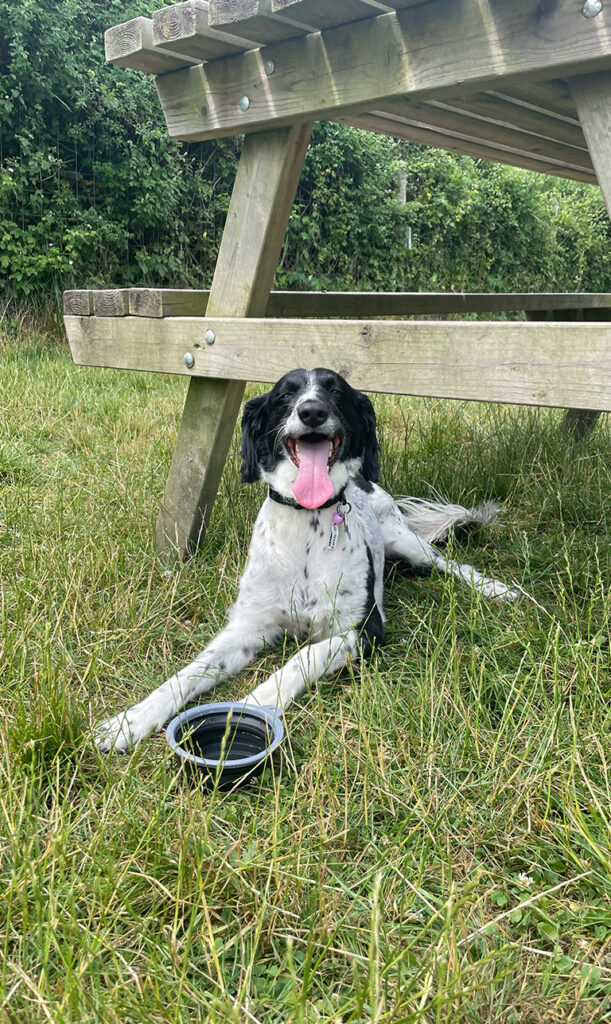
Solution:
(94, 192)
(92, 189)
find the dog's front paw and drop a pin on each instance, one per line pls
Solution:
(120, 733)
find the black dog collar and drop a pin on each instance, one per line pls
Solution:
(275, 496)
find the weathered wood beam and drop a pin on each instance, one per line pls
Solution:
(550, 94)
(185, 28)
(326, 13)
(506, 110)
(592, 95)
(577, 423)
(162, 302)
(552, 364)
(263, 194)
(323, 14)
(420, 52)
(111, 302)
(131, 45)
(461, 142)
(401, 5)
(167, 302)
(78, 302)
(456, 117)
(255, 19)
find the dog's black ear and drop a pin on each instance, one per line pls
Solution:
(254, 419)
(368, 439)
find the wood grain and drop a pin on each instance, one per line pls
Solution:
(592, 95)
(321, 14)
(255, 19)
(160, 302)
(259, 210)
(566, 364)
(185, 28)
(131, 45)
(422, 52)
(111, 302)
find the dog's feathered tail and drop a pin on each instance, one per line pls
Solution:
(435, 520)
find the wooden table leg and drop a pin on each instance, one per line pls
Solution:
(592, 96)
(577, 423)
(263, 194)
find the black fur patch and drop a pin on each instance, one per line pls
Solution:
(406, 569)
(264, 416)
(371, 627)
(363, 484)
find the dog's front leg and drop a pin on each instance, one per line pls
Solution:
(315, 661)
(229, 652)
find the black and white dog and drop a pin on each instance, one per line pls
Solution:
(316, 561)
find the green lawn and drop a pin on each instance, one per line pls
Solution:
(432, 846)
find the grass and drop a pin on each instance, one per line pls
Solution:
(433, 845)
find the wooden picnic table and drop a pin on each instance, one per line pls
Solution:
(523, 82)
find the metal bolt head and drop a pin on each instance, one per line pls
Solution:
(209, 337)
(189, 360)
(269, 67)
(244, 103)
(591, 8)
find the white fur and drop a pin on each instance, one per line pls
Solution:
(294, 583)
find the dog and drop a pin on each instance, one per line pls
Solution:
(316, 560)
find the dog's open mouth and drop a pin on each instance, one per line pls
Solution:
(297, 445)
(314, 455)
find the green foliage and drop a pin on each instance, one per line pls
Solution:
(472, 225)
(94, 192)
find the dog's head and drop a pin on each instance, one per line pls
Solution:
(308, 435)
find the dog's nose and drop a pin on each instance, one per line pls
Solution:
(312, 413)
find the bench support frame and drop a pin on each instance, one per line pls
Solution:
(263, 194)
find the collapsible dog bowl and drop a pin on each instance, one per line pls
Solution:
(225, 742)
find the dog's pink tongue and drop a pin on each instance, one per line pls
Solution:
(313, 484)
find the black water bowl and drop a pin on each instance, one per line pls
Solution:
(225, 743)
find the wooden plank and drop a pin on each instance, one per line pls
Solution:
(401, 5)
(78, 302)
(420, 52)
(321, 14)
(549, 94)
(370, 304)
(111, 302)
(457, 120)
(505, 110)
(592, 95)
(554, 364)
(259, 210)
(577, 423)
(165, 302)
(131, 45)
(255, 19)
(185, 28)
(457, 142)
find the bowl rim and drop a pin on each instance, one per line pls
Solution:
(267, 713)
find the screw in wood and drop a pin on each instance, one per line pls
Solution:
(189, 360)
